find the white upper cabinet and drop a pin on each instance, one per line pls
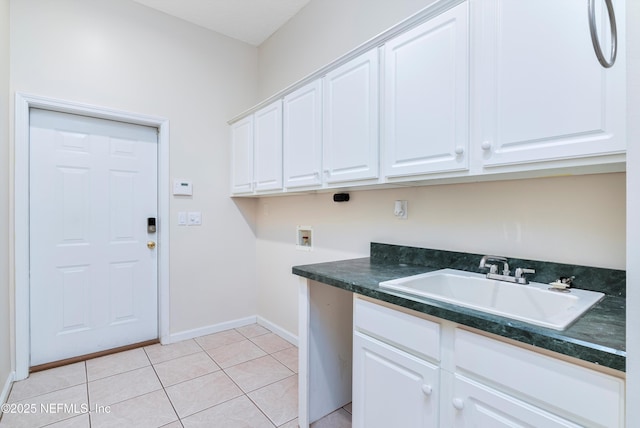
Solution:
(350, 120)
(499, 88)
(427, 97)
(242, 156)
(303, 136)
(268, 148)
(540, 93)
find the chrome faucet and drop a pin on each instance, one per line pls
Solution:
(519, 277)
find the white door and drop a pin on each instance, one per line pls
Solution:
(93, 278)
(350, 120)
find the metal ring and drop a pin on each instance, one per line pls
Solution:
(594, 34)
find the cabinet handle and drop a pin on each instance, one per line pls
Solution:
(486, 145)
(459, 150)
(427, 389)
(594, 33)
(458, 403)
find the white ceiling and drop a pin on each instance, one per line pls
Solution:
(251, 21)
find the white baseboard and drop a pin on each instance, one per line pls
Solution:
(216, 328)
(4, 395)
(203, 331)
(293, 339)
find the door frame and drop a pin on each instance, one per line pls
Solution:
(23, 103)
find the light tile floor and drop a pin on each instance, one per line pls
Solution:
(244, 377)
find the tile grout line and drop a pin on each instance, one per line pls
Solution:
(223, 370)
(199, 346)
(86, 383)
(164, 389)
(245, 394)
(272, 383)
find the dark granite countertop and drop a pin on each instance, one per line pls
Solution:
(598, 336)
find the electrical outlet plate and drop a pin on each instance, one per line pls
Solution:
(401, 209)
(304, 238)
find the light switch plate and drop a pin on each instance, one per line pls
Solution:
(182, 218)
(194, 218)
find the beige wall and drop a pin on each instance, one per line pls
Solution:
(569, 219)
(121, 55)
(5, 329)
(323, 31)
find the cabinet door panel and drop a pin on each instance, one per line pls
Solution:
(242, 156)
(350, 120)
(427, 97)
(303, 136)
(268, 147)
(392, 388)
(540, 92)
(581, 393)
(475, 405)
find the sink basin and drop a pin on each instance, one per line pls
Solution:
(533, 303)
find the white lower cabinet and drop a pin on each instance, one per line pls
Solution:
(551, 387)
(409, 371)
(392, 388)
(476, 405)
(396, 378)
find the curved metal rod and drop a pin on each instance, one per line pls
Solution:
(594, 34)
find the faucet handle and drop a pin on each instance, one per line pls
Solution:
(520, 278)
(522, 271)
(492, 267)
(485, 259)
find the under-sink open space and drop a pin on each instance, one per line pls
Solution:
(533, 303)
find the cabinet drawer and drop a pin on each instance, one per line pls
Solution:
(577, 393)
(414, 334)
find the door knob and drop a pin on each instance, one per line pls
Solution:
(458, 403)
(151, 245)
(427, 389)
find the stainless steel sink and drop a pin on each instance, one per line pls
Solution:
(533, 303)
